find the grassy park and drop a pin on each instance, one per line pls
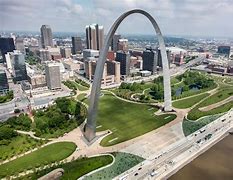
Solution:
(76, 168)
(58, 119)
(189, 102)
(43, 156)
(127, 120)
(76, 85)
(17, 145)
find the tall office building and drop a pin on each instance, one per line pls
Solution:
(94, 37)
(115, 40)
(19, 44)
(46, 36)
(19, 71)
(124, 59)
(65, 52)
(6, 45)
(149, 58)
(153, 59)
(76, 45)
(224, 50)
(4, 86)
(53, 78)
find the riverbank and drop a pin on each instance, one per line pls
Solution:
(216, 163)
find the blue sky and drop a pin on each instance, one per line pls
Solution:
(178, 17)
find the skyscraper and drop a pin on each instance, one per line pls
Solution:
(18, 66)
(94, 36)
(152, 58)
(46, 36)
(53, 79)
(6, 45)
(19, 44)
(115, 40)
(76, 45)
(4, 86)
(149, 60)
(124, 59)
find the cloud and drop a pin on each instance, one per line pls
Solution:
(184, 17)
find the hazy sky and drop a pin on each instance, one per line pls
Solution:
(175, 17)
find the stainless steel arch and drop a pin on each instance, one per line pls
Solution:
(90, 128)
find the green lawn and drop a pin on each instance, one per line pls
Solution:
(7, 97)
(123, 162)
(190, 127)
(77, 168)
(189, 102)
(127, 120)
(43, 156)
(217, 97)
(195, 113)
(81, 97)
(18, 145)
(74, 85)
(81, 88)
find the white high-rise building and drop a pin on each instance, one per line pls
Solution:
(53, 77)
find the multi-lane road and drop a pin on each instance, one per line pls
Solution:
(158, 166)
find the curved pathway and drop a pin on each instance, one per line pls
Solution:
(32, 135)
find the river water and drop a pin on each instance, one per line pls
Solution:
(215, 164)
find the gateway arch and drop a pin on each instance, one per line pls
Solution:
(90, 127)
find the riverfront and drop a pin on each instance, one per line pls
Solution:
(216, 163)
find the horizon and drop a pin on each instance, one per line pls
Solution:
(124, 34)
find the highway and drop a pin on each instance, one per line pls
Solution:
(172, 157)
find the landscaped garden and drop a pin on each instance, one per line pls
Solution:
(76, 85)
(190, 127)
(127, 120)
(16, 144)
(187, 84)
(13, 143)
(7, 97)
(41, 157)
(75, 169)
(60, 118)
(123, 162)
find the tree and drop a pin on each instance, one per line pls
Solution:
(80, 112)
(155, 88)
(7, 133)
(63, 104)
(185, 88)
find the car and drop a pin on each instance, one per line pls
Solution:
(139, 168)
(135, 174)
(153, 173)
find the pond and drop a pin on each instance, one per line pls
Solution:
(179, 91)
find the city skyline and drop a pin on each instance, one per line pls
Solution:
(175, 17)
